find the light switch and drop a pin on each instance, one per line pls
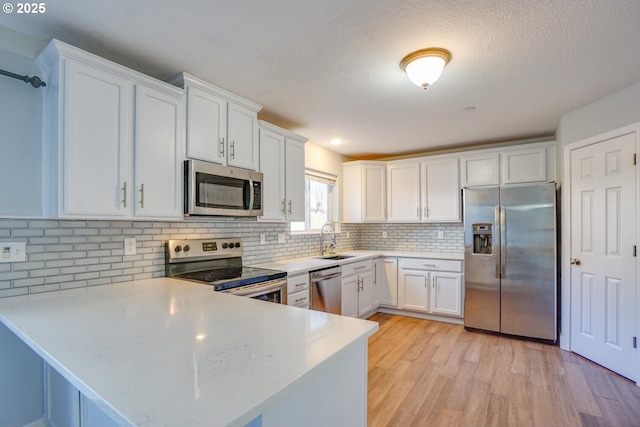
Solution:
(384, 234)
(13, 251)
(440, 234)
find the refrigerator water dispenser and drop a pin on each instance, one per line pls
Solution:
(482, 241)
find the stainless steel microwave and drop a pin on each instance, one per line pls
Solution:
(216, 190)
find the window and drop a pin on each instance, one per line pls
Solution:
(320, 202)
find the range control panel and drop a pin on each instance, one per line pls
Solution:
(191, 250)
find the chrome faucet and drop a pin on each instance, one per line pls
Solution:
(331, 228)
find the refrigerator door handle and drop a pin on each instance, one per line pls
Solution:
(497, 240)
(503, 243)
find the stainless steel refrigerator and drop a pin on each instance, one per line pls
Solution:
(510, 260)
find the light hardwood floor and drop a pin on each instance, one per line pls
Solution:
(424, 373)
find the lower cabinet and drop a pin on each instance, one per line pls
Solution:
(431, 286)
(385, 282)
(66, 406)
(298, 290)
(357, 288)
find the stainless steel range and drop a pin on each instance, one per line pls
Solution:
(218, 262)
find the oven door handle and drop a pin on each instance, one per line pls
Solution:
(250, 291)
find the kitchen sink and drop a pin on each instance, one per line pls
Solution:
(335, 257)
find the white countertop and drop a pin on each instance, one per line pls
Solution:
(165, 352)
(304, 265)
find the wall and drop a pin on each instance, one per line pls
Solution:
(21, 124)
(614, 111)
(411, 237)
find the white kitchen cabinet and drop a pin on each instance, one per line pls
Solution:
(158, 154)
(357, 288)
(282, 164)
(221, 126)
(441, 190)
(350, 289)
(480, 169)
(403, 191)
(364, 191)
(298, 290)
(517, 164)
(385, 282)
(524, 165)
(432, 286)
(446, 293)
(101, 120)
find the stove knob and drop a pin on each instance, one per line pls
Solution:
(237, 244)
(178, 248)
(224, 246)
(186, 248)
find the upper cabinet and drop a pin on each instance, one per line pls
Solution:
(364, 191)
(282, 164)
(221, 126)
(403, 191)
(113, 139)
(441, 189)
(510, 165)
(426, 189)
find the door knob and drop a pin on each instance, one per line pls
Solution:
(575, 261)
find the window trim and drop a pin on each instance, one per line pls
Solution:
(333, 201)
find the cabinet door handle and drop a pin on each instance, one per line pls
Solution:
(283, 206)
(233, 149)
(142, 195)
(425, 281)
(289, 207)
(418, 212)
(222, 147)
(433, 283)
(426, 212)
(124, 196)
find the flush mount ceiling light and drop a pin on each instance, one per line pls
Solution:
(425, 66)
(336, 141)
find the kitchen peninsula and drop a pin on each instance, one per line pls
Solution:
(165, 352)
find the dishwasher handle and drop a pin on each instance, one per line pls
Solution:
(319, 278)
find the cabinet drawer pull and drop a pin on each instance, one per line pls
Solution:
(300, 299)
(360, 268)
(300, 284)
(124, 191)
(430, 265)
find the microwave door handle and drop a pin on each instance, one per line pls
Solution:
(251, 195)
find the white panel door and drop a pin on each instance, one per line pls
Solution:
(206, 126)
(158, 153)
(446, 294)
(374, 182)
(481, 169)
(349, 303)
(441, 195)
(97, 160)
(603, 229)
(273, 170)
(386, 281)
(242, 131)
(415, 290)
(403, 187)
(294, 181)
(365, 296)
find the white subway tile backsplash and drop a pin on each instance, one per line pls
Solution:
(65, 254)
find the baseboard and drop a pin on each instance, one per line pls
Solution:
(418, 315)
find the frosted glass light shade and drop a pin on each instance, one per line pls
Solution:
(424, 67)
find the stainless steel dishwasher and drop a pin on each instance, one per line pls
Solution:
(326, 290)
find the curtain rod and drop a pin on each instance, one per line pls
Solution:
(35, 80)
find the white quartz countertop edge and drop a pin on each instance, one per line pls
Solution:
(23, 315)
(304, 265)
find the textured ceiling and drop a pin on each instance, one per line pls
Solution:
(329, 68)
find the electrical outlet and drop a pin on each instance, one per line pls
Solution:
(263, 239)
(13, 251)
(281, 238)
(440, 234)
(384, 234)
(130, 246)
(348, 234)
